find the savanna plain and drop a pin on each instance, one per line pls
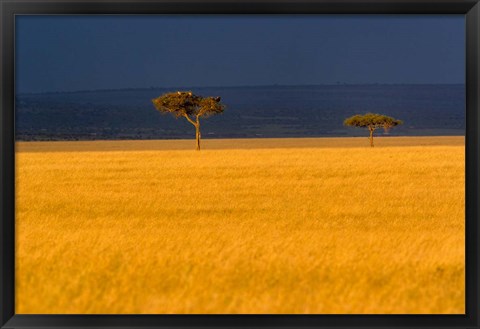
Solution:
(326, 225)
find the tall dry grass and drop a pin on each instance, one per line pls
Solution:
(287, 230)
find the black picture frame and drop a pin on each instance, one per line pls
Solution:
(10, 8)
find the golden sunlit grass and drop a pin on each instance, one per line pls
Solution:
(308, 229)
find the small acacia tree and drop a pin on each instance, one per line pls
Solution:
(190, 106)
(372, 121)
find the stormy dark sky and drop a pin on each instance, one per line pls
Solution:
(66, 53)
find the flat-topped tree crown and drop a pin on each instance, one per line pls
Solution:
(179, 104)
(372, 121)
(190, 106)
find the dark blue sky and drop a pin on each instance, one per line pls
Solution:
(65, 53)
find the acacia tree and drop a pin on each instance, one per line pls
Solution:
(190, 106)
(372, 121)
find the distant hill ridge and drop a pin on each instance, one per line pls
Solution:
(233, 86)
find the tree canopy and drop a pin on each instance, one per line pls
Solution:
(373, 120)
(185, 103)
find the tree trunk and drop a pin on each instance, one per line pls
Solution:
(371, 136)
(197, 135)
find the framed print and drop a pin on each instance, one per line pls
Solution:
(264, 164)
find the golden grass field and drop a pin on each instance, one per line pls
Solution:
(243, 226)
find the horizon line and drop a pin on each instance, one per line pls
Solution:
(232, 86)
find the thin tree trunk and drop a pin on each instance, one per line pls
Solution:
(197, 135)
(371, 136)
